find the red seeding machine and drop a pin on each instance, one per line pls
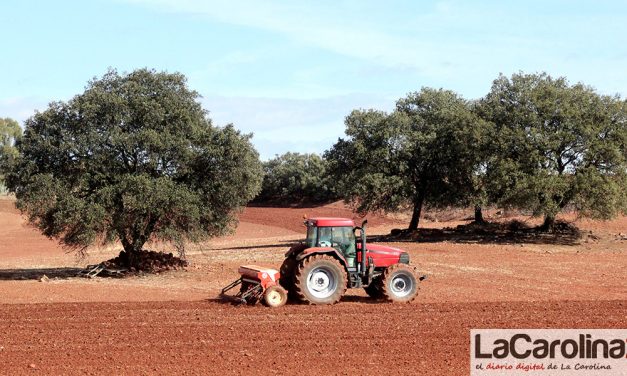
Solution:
(257, 283)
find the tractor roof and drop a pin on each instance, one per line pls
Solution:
(330, 222)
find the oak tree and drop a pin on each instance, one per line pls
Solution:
(10, 133)
(428, 151)
(134, 158)
(557, 145)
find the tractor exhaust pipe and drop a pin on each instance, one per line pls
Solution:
(364, 268)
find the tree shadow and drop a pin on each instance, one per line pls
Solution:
(514, 232)
(38, 273)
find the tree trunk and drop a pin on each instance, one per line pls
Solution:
(549, 222)
(479, 214)
(131, 248)
(415, 217)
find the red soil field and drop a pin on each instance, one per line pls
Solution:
(172, 323)
(200, 338)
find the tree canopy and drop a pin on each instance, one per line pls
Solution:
(429, 150)
(533, 142)
(133, 158)
(556, 145)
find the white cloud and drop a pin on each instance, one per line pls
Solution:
(342, 28)
(21, 108)
(280, 124)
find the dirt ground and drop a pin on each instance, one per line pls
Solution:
(173, 324)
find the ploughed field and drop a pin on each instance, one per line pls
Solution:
(173, 324)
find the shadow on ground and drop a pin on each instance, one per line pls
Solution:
(514, 232)
(361, 300)
(280, 243)
(38, 273)
(345, 299)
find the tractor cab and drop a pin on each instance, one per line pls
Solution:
(338, 233)
(348, 242)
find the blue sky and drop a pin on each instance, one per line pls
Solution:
(290, 71)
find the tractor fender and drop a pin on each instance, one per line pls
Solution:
(321, 250)
(295, 249)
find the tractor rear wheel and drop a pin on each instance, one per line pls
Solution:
(374, 289)
(320, 279)
(287, 270)
(399, 283)
(275, 296)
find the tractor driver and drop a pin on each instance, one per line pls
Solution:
(340, 238)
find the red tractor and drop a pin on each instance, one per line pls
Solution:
(334, 258)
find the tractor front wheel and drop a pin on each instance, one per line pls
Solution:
(399, 283)
(320, 279)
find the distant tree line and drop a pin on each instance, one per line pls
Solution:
(296, 178)
(10, 133)
(534, 142)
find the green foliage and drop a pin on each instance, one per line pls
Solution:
(427, 151)
(10, 134)
(133, 158)
(556, 145)
(534, 142)
(296, 178)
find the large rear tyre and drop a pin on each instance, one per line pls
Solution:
(287, 270)
(399, 283)
(374, 289)
(275, 296)
(320, 279)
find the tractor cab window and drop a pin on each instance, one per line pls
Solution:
(340, 238)
(311, 236)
